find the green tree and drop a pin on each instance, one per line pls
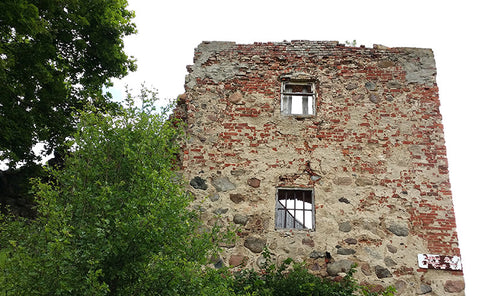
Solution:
(55, 57)
(115, 220)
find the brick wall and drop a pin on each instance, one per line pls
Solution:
(373, 154)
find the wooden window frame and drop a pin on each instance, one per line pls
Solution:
(303, 100)
(297, 215)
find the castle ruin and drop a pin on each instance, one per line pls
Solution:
(327, 154)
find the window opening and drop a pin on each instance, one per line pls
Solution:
(294, 209)
(298, 98)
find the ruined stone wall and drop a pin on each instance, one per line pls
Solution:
(373, 153)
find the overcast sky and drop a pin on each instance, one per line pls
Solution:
(168, 32)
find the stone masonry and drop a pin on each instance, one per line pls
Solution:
(370, 151)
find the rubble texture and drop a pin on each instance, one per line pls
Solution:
(373, 153)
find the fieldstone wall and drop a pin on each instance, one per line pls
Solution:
(373, 153)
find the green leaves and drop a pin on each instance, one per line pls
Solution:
(115, 219)
(55, 56)
(294, 279)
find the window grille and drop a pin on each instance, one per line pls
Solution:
(294, 209)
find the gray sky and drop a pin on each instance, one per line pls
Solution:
(170, 30)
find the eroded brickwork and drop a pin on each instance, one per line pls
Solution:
(373, 153)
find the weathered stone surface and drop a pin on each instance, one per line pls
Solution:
(257, 224)
(389, 262)
(254, 182)
(308, 241)
(240, 219)
(358, 97)
(351, 241)
(424, 289)
(404, 270)
(261, 261)
(213, 221)
(220, 211)
(200, 208)
(374, 98)
(223, 184)
(314, 267)
(373, 288)
(400, 286)
(392, 249)
(343, 251)
(371, 86)
(419, 66)
(237, 260)
(237, 172)
(452, 286)
(227, 244)
(363, 181)
(236, 97)
(255, 244)
(370, 225)
(394, 84)
(198, 183)
(398, 229)
(237, 197)
(342, 181)
(337, 267)
(212, 117)
(218, 264)
(351, 85)
(316, 255)
(373, 252)
(345, 226)
(214, 197)
(217, 261)
(366, 269)
(386, 64)
(382, 272)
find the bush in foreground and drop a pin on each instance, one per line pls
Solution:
(114, 220)
(294, 279)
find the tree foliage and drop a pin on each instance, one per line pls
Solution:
(55, 56)
(114, 220)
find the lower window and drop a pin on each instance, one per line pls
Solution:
(294, 209)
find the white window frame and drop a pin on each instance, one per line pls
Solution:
(295, 212)
(298, 103)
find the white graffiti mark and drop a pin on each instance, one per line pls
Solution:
(439, 262)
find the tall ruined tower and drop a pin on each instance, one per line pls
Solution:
(321, 150)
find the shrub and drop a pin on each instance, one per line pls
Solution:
(115, 220)
(293, 279)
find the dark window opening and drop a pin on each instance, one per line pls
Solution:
(294, 209)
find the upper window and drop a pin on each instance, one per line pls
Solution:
(298, 98)
(294, 209)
